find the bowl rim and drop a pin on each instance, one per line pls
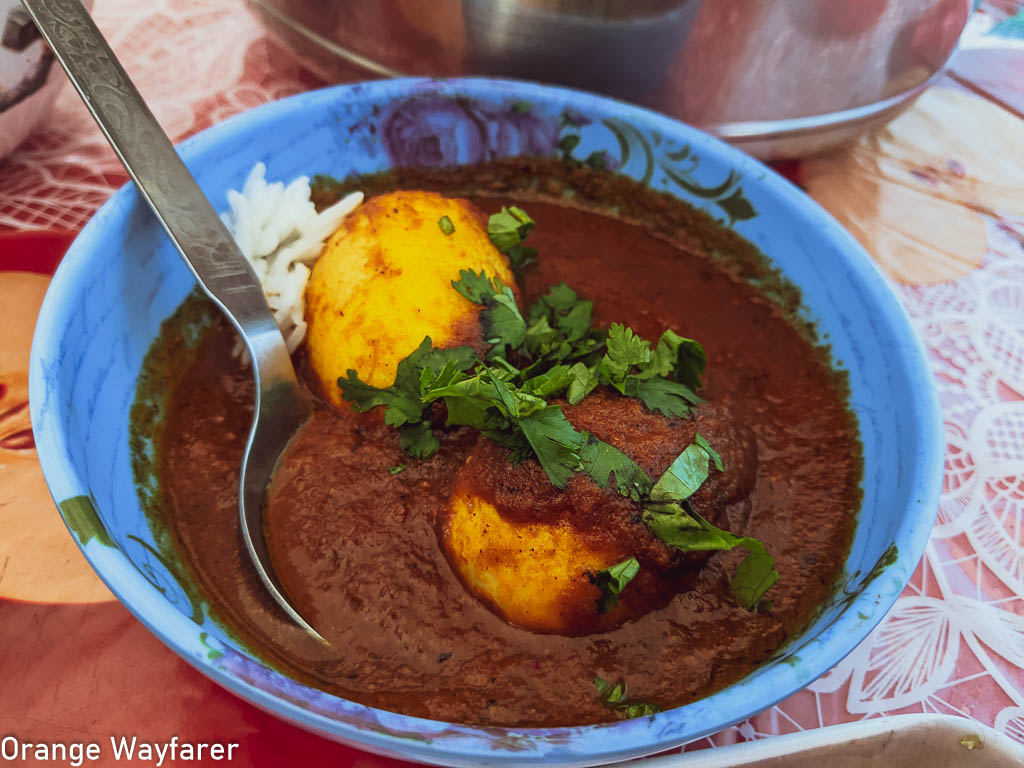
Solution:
(571, 745)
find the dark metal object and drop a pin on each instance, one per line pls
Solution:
(777, 77)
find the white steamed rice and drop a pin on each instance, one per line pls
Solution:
(279, 231)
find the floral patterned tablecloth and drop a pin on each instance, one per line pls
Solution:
(937, 198)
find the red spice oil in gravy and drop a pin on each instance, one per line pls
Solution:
(360, 546)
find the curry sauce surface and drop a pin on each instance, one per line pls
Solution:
(358, 546)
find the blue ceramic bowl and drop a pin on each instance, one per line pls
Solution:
(121, 278)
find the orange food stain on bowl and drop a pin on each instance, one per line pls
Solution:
(39, 559)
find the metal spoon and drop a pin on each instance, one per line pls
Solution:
(205, 245)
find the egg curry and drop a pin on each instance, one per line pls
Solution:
(565, 466)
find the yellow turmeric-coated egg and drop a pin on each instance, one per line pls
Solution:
(384, 282)
(535, 574)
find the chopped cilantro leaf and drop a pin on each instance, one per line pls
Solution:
(363, 396)
(611, 581)
(559, 328)
(625, 350)
(491, 404)
(407, 374)
(582, 381)
(418, 440)
(519, 257)
(716, 458)
(546, 345)
(509, 227)
(449, 374)
(663, 358)
(402, 411)
(574, 322)
(683, 477)
(600, 460)
(471, 400)
(521, 107)
(559, 298)
(512, 401)
(667, 397)
(446, 225)
(501, 321)
(608, 692)
(677, 358)
(754, 576)
(507, 230)
(670, 518)
(503, 325)
(551, 383)
(475, 285)
(641, 709)
(664, 380)
(614, 697)
(687, 531)
(397, 469)
(462, 358)
(476, 411)
(405, 406)
(555, 443)
(691, 364)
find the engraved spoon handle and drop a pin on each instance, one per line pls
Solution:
(152, 162)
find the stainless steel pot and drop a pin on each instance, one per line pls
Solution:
(780, 78)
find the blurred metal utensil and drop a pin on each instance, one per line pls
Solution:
(206, 246)
(777, 77)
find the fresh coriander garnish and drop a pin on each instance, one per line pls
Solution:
(613, 695)
(667, 512)
(671, 518)
(446, 225)
(397, 469)
(683, 477)
(519, 417)
(556, 352)
(602, 461)
(405, 407)
(711, 452)
(626, 351)
(502, 325)
(559, 331)
(519, 257)
(521, 107)
(522, 422)
(509, 228)
(661, 379)
(611, 581)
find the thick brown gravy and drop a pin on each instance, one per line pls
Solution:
(359, 550)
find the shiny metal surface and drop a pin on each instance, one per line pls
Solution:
(203, 242)
(777, 77)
